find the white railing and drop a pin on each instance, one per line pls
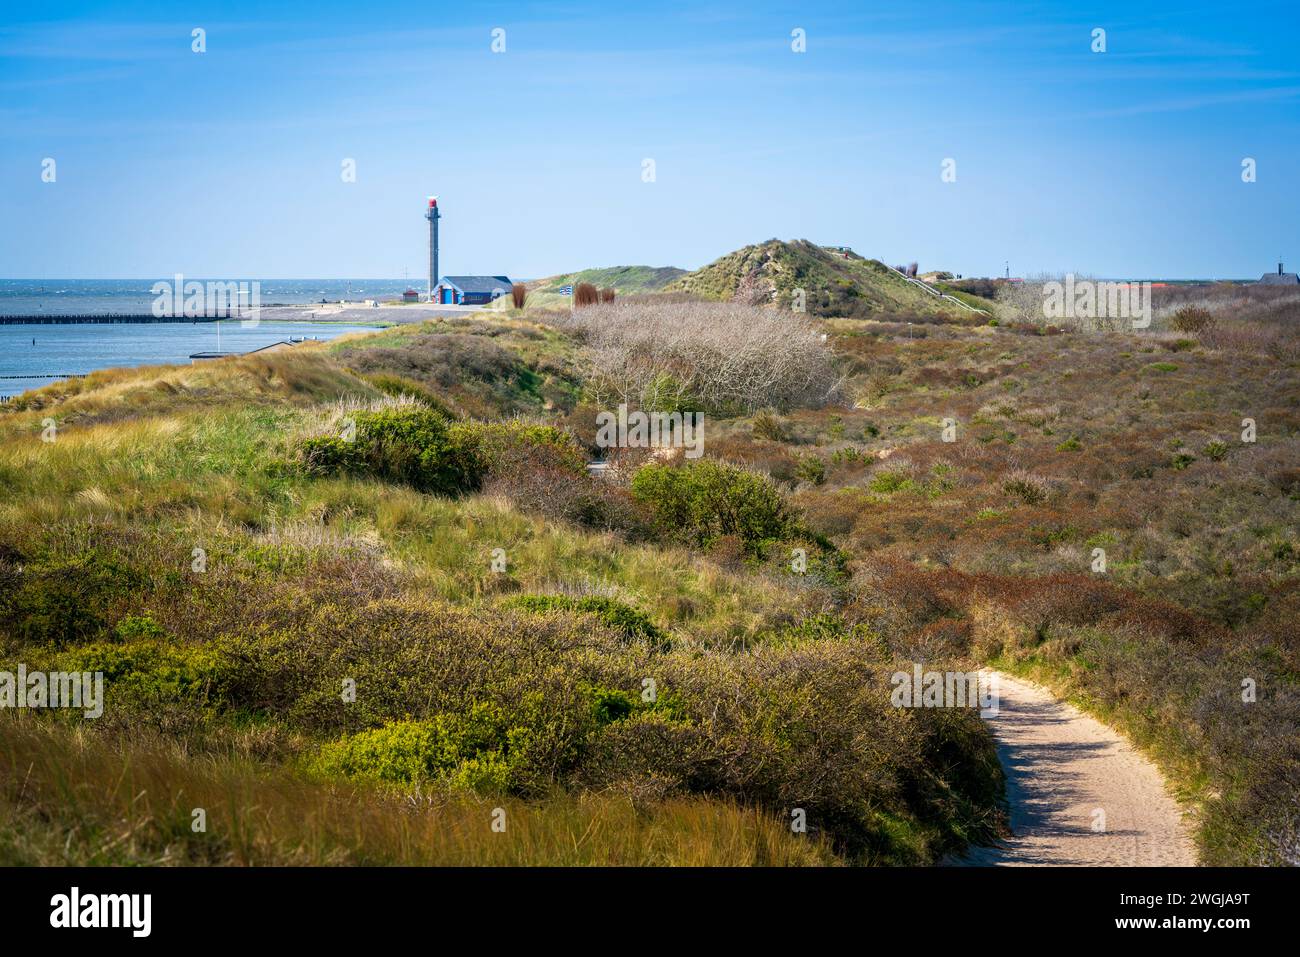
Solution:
(932, 291)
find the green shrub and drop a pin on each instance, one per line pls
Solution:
(153, 672)
(887, 483)
(825, 626)
(460, 749)
(1215, 451)
(1163, 367)
(486, 773)
(810, 469)
(622, 618)
(611, 704)
(1072, 444)
(411, 444)
(66, 601)
(768, 426)
(330, 455)
(402, 752)
(1181, 461)
(138, 628)
(504, 445)
(851, 455)
(699, 502)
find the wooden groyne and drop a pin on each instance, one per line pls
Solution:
(71, 319)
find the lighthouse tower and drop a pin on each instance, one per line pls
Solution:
(432, 215)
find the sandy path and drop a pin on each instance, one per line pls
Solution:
(1062, 767)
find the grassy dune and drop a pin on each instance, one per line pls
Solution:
(834, 283)
(173, 536)
(204, 537)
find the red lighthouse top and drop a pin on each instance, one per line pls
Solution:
(433, 201)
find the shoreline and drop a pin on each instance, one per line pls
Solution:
(70, 350)
(351, 314)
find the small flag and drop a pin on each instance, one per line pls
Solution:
(566, 290)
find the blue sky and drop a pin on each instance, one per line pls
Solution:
(228, 163)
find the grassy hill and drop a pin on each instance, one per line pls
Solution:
(835, 283)
(625, 280)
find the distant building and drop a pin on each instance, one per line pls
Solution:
(471, 290)
(410, 296)
(1278, 278)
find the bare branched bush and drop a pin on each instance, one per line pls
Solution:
(721, 356)
(1235, 317)
(585, 294)
(1029, 302)
(1257, 338)
(1193, 319)
(518, 295)
(1023, 301)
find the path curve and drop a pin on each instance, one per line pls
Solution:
(1063, 767)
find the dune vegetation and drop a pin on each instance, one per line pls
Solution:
(376, 578)
(363, 603)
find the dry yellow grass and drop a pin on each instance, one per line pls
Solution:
(69, 798)
(306, 374)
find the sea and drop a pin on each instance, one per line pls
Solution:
(35, 354)
(99, 297)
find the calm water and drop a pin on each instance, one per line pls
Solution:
(35, 297)
(67, 349)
